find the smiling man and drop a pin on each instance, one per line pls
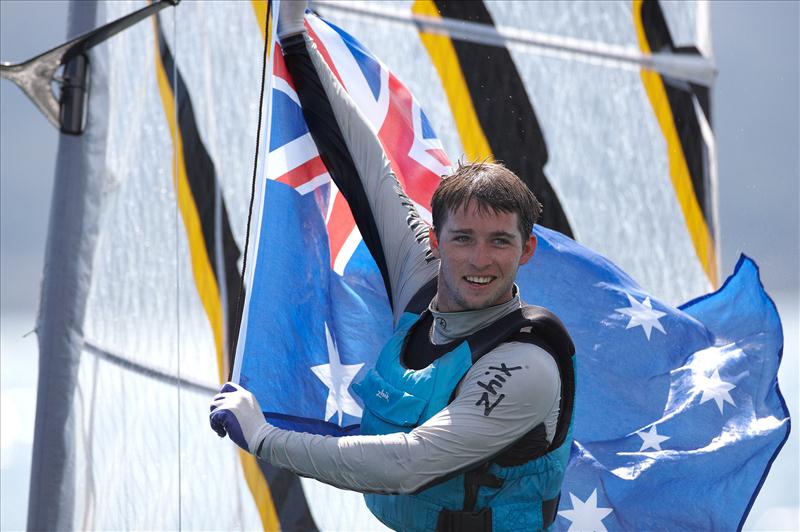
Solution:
(483, 214)
(468, 410)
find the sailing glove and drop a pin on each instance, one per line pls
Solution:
(236, 412)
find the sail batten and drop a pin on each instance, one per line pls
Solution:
(696, 69)
(186, 384)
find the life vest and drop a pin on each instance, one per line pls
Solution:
(515, 490)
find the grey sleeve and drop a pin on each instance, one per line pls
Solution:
(402, 233)
(503, 396)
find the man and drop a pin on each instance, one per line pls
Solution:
(467, 411)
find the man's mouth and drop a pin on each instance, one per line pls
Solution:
(479, 279)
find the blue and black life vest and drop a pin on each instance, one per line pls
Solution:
(519, 488)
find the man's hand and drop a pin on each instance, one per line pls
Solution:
(236, 412)
(291, 17)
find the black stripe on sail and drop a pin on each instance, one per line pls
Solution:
(201, 175)
(288, 497)
(332, 148)
(680, 95)
(285, 488)
(233, 282)
(504, 110)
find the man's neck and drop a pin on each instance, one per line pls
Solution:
(449, 326)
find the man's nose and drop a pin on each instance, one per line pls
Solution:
(481, 256)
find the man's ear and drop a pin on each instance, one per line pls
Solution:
(528, 250)
(433, 241)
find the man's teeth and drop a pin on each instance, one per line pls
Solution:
(479, 280)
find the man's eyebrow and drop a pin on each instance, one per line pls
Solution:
(496, 234)
(504, 234)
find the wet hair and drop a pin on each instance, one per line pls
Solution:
(493, 187)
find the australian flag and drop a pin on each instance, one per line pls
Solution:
(317, 313)
(678, 412)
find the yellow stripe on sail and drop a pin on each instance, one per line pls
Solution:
(208, 288)
(678, 169)
(444, 58)
(204, 278)
(260, 490)
(260, 10)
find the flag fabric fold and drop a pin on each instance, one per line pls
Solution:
(678, 413)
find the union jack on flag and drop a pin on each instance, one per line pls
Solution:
(416, 154)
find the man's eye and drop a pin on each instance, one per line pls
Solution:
(461, 238)
(501, 242)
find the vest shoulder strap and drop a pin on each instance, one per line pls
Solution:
(529, 324)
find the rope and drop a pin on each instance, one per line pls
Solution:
(239, 299)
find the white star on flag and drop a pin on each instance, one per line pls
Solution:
(715, 388)
(651, 439)
(337, 377)
(642, 315)
(585, 515)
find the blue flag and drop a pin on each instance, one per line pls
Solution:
(678, 413)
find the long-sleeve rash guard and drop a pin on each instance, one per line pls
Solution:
(460, 435)
(468, 431)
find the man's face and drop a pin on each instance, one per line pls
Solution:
(480, 254)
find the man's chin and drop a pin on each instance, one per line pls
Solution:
(492, 298)
(479, 303)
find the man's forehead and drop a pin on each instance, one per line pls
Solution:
(472, 217)
(474, 207)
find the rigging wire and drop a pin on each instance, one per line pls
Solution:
(234, 333)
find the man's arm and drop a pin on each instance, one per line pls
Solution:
(487, 415)
(386, 218)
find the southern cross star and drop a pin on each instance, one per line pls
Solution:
(585, 515)
(337, 377)
(643, 315)
(651, 439)
(715, 388)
